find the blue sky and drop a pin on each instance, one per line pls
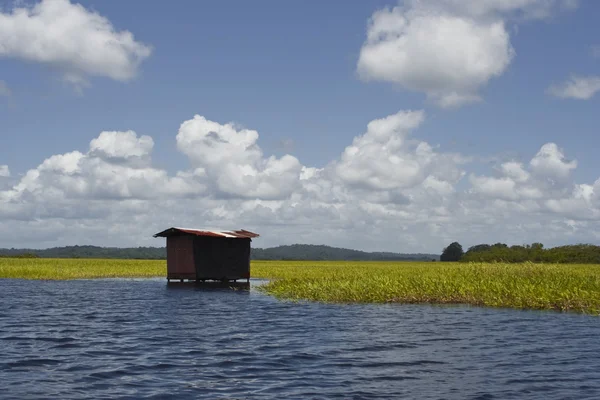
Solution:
(300, 74)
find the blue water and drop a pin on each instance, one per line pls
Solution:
(134, 339)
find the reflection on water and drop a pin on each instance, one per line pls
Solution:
(209, 285)
(146, 339)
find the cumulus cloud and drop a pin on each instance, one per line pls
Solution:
(232, 161)
(447, 49)
(550, 163)
(407, 196)
(577, 87)
(384, 159)
(502, 188)
(544, 187)
(445, 56)
(122, 147)
(4, 89)
(4, 171)
(524, 9)
(375, 159)
(515, 171)
(79, 42)
(579, 205)
(62, 185)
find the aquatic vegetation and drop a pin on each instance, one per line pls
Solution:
(526, 286)
(73, 268)
(564, 287)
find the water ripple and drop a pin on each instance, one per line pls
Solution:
(131, 339)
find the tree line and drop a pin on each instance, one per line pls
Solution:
(291, 252)
(535, 252)
(20, 255)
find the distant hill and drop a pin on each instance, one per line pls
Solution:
(144, 253)
(292, 252)
(320, 252)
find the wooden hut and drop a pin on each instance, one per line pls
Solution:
(200, 255)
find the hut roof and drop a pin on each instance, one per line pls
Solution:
(240, 234)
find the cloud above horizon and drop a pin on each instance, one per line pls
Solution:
(76, 41)
(576, 87)
(387, 190)
(230, 160)
(447, 49)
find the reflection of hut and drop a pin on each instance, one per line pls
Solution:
(200, 255)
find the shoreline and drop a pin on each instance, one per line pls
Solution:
(558, 287)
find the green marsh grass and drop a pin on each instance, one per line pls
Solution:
(564, 287)
(74, 268)
(525, 286)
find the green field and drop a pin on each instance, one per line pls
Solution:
(562, 287)
(72, 268)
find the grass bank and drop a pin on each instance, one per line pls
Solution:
(72, 268)
(565, 287)
(524, 286)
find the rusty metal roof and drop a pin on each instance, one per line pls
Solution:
(240, 234)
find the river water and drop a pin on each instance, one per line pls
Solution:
(132, 339)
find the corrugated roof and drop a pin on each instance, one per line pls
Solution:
(240, 234)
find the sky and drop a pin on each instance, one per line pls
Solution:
(374, 125)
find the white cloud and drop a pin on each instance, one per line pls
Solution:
(515, 171)
(501, 188)
(4, 89)
(577, 87)
(550, 163)
(447, 49)
(409, 196)
(385, 159)
(375, 159)
(4, 171)
(233, 162)
(79, 42)
(547, 188)
(122, 147)
(525, 9)
(447, 57)
(579, 205)
(63, 183)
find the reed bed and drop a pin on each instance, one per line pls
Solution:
(71, 268)
(565, 287)
(523, 286)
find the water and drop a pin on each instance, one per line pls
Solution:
(143, 339)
